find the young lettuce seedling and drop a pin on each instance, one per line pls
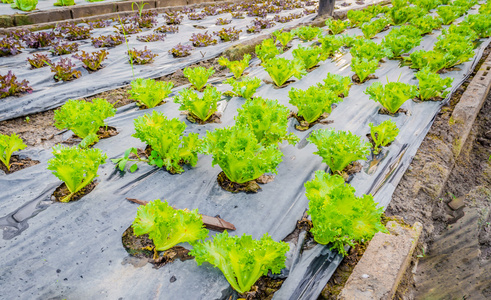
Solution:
(244, 88)
(239, 154)
(25, 5)
(432, 59)
(426, 23)
(358, 17)
(167, 226)
(363, 67)
(149, 92)
(448, 13)
(337, 26)
(284, 37)
(330, 44)
(456, 47)
(9, 85)
(8, 145)
(339, 217)
(170, 148)
(401, 15)
(267, 50)
(308, 33)
(339, 85)
(268, 120)
(392, 95)
(242, 260)
(313, 102)
(84, 118)
(338, 148)
(75, 166)
(401, 40)
(281, 69)
(371, 29)
(383, 134)
(198, 76)
(310, 56)
(237, 67)
(432, 85)
(199, 108)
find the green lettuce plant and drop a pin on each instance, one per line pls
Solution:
(369, 49)
(480, 23)
(392, 95)
(267, 50)
(64, 3)
(268, 120)
(339, 85)
(426, 23)
(448, 13)
(459, 33)
(330, 44)
(358, 17)
(339, 217)
(458, 49)
(239, 154)
(337, 26)
(383, 134)
(281, 69)
(149, 92)
(8, 145)
(242, 260)
(338, 148)
(244, 88)
(202, 108)
(283, 37)
(167, 226)
(313, 102)
(25, 5)
(308, 33)
(84, 118)
(402, 15)
(401, 40)
(170, 148)
(426, 4)
(237, 67)
(198, 76)
(370, 29)
(310, 56)
(363, 67)
(432, 85)
(434, 60)
(75, 166)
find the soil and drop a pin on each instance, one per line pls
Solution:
(335, 285)
(17, 163)
(214, 118)
(384, 111)
(303, 125)
(103, 133)
(62, 191)
(263, 289)
(356, 79)
(142, 247)
(247, 187)
(417, 199)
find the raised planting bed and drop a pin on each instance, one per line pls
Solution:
(92, 259)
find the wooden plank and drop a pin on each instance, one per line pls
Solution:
(212, 223)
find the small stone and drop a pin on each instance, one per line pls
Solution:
(173, 279)
(457, 203)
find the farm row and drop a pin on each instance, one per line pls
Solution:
(249, 142)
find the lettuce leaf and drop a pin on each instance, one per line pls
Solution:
(167, 226)
(242, 260)
(8, 145)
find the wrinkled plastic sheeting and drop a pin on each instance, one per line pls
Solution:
(74, 250)
(117, 72)
(44, 5)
